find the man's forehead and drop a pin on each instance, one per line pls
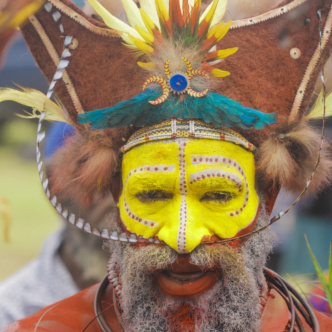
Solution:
(195, 151)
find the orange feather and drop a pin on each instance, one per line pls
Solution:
(164, 17)
(195, 14)
(208, 43)
(205, 24)
(175, 12)
(185, 9)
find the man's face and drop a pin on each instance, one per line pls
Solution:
(185, 191)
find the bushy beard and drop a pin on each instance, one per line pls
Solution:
(233, 304)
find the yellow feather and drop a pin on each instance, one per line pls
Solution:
(10, 21)
(37, 100)
(161, 10)
(145, 35)
(219, 73)
(142, 45)
(225, 53)
(133, 13)
(149, 7)
(222, 54)
(214, 30)
(220, 12)
(112, 21)
(149, 24)
(150, 66)
(317, 111)
(223, 31)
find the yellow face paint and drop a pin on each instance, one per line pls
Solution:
(185, 189)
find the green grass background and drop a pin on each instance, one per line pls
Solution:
(33, 217)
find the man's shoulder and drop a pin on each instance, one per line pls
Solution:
(72, 314)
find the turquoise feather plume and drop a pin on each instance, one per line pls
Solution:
(213, 108)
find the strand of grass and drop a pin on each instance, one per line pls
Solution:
(311, 282)
(304, 274)
(300, 288)
(330, 271)
(318, 296)
(319, 287)
(315, 284)
(327, 287)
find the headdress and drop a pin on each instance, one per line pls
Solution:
(173, 62)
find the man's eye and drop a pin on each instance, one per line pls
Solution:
(217, 196)
(150, 196)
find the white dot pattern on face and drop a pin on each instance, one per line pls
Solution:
(143, 169)
(181, 238)
(226, 161)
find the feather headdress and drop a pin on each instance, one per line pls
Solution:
(177, 41)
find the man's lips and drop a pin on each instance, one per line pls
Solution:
(183, 278)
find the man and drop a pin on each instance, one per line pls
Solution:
(189, 245)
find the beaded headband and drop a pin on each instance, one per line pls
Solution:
(185, 129)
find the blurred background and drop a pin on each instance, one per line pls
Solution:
(32, 216)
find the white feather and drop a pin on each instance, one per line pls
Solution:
(317, 111)
(112, 21)
(219, 14)
(166, 2)
(191, 3)
(133, 13)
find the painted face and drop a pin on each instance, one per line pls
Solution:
(186, 190)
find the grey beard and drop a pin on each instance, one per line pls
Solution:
(233, 304)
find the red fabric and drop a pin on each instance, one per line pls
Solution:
(75, 313)
(72, 314)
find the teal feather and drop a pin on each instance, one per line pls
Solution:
(213, 108)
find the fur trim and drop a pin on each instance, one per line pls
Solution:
(86, 166)
(288, 158)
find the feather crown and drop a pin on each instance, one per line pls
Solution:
(177, 39)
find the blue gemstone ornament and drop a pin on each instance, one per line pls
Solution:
(178, 82)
